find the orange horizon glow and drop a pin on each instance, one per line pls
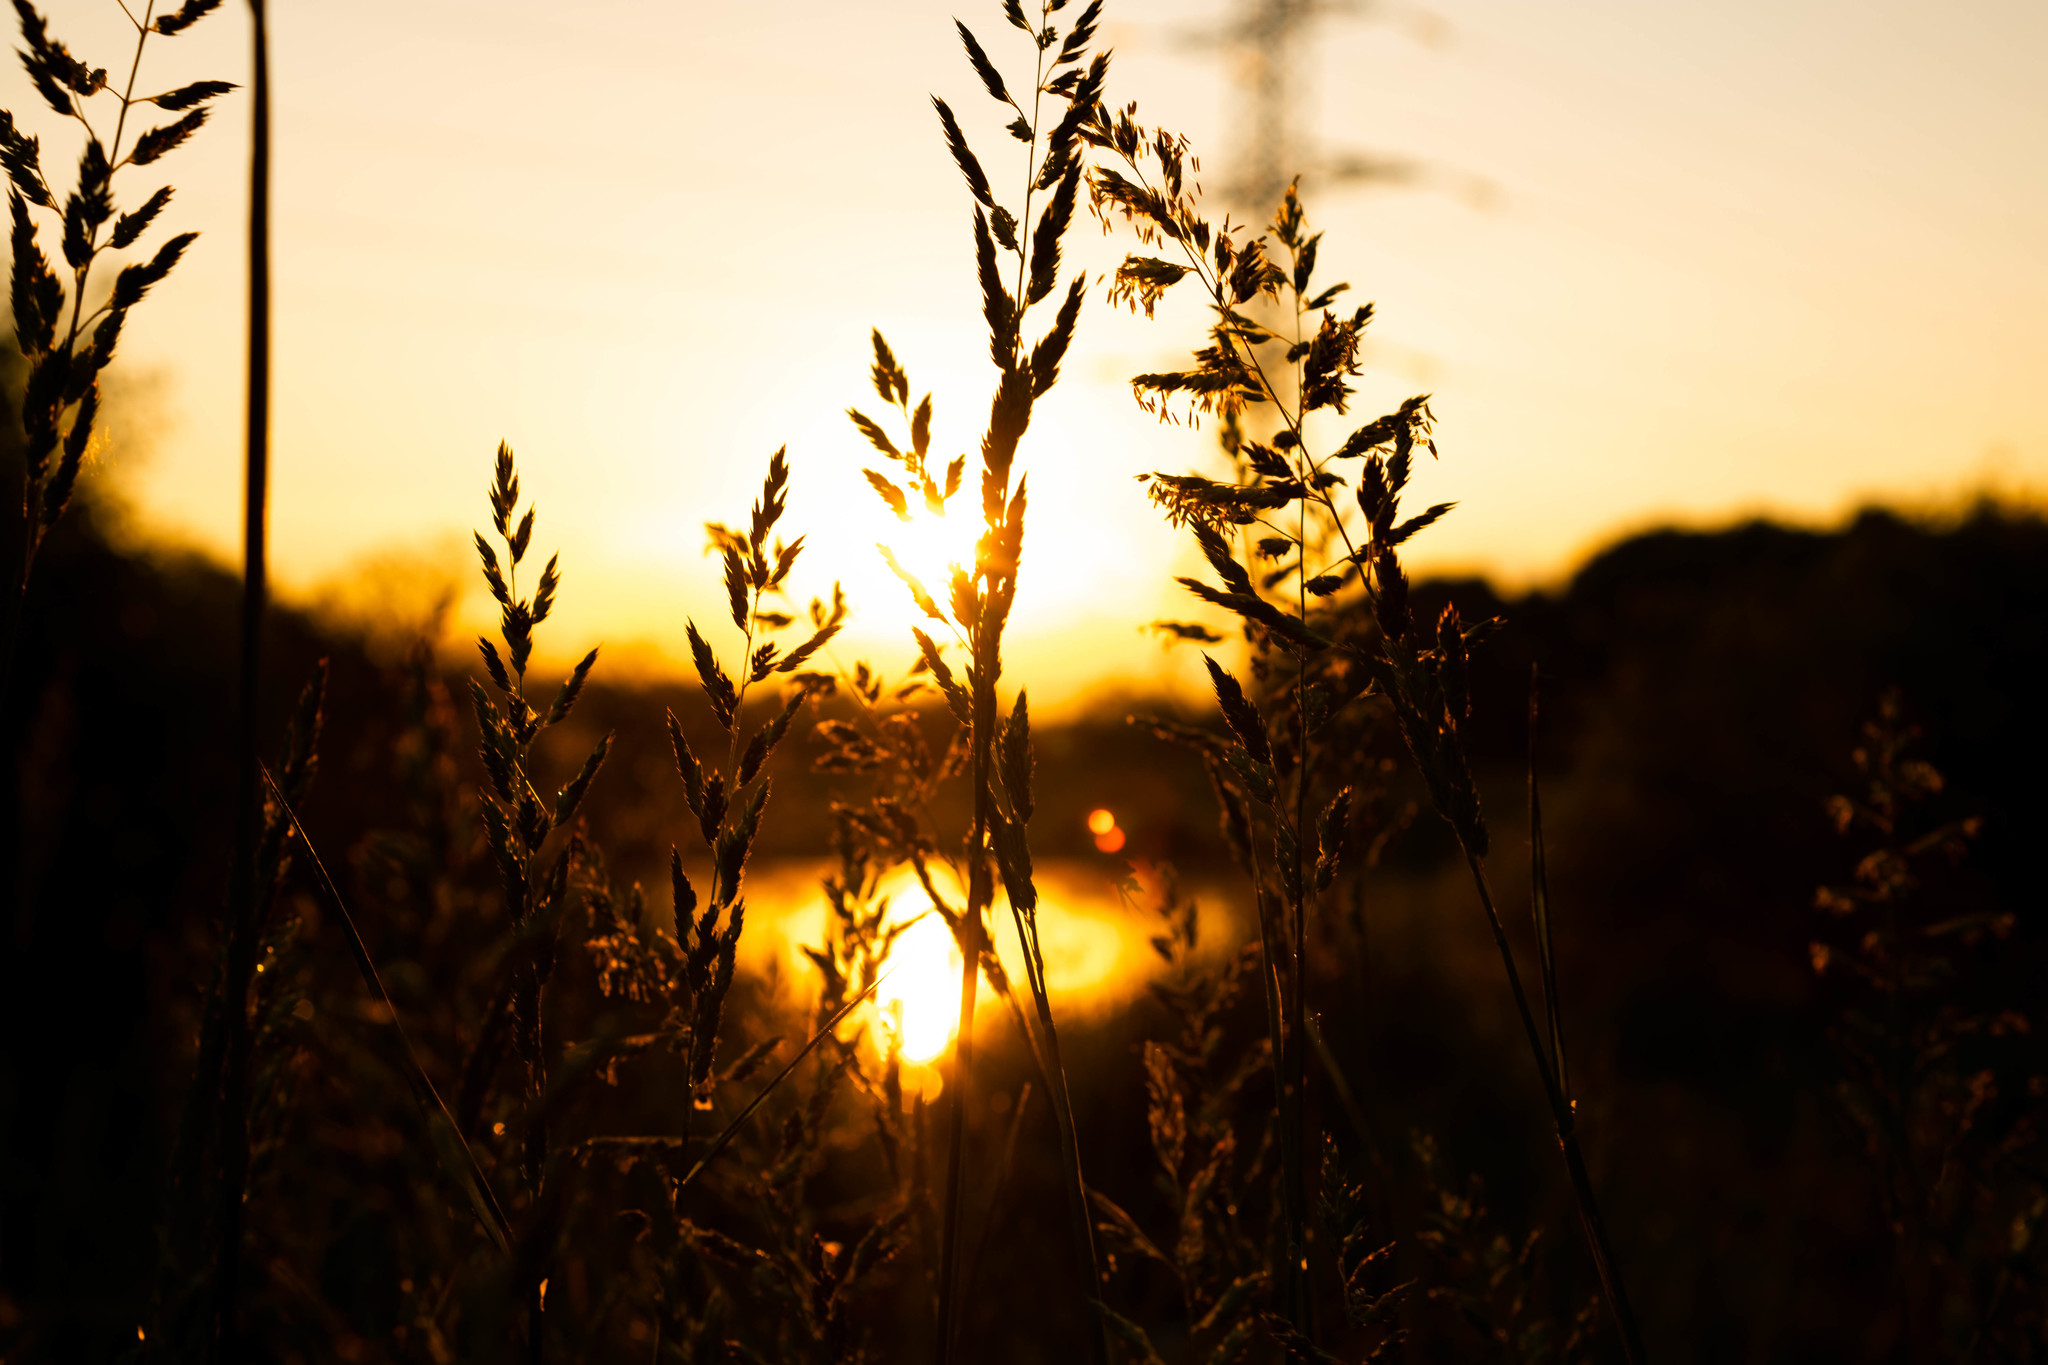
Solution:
(1757, 259)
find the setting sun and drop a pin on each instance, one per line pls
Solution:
(930, 546)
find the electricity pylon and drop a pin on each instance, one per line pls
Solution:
(1269, 41)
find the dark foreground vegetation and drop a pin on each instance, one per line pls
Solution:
(1702, 695)
(359, 1006)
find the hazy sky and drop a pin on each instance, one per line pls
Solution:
(1737, 256)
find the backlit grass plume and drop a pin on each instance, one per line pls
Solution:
(682, 982)
(1017, 262)
(66, 346)
(728, 800)
(1333, 611)
(517, 818)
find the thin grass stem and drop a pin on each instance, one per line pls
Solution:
(468, 1172)
(1270, 942)
(241, 926)
(1539, 910)
(1563, 1117)
(1297, 1070)
(1053, 1072)
(731, 1130)
(956, 1163)
(1340, 1085)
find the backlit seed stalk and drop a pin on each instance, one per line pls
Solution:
(1360, 613)
(518, 821)
(60, 404)
(979, 601)
(678, 984)
(1232, 280)
(729, 803)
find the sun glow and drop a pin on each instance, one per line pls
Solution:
(930, 546)
(919, 1000)
(1092, 556)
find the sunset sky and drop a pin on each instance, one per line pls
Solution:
(1744, 257)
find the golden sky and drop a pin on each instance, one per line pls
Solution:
(1736, 257)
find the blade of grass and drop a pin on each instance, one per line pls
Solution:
(1045, 1051)
(739, 1120)
(445, 1133)
(1567, 1136)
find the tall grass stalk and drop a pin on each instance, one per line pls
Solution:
(980, 599)
(241, 925)
(1358, 636)
(1272, 757)
(60, 404)
(518, 824)
(59, 408)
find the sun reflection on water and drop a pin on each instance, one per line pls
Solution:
(918, 1000)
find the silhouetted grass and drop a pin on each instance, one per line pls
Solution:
(1348, 637)
(998, 751)
(60, 401)
(1292, 1148)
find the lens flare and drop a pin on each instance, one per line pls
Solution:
(920, 998)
